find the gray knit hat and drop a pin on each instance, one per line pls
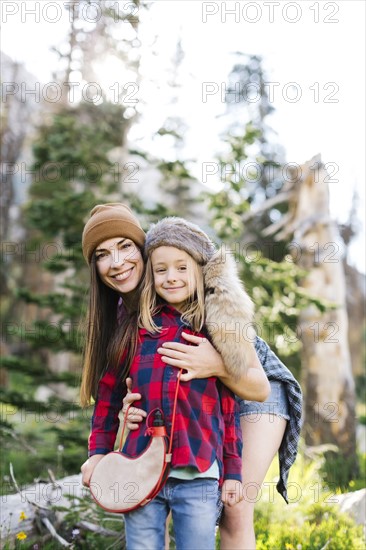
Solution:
(180, 233)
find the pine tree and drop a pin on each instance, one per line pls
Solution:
(75, 148)
(73, 170)
(252, 165)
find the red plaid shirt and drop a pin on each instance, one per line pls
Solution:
(207, 426)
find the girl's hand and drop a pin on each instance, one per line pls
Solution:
(135, 415)
(232, 492)
(88, 467)
(200, 360)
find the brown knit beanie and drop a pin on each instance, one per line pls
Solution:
(106, 221)
(181, 234)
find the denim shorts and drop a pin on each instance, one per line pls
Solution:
(276, 403)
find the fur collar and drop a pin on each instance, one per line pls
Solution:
(229, 312)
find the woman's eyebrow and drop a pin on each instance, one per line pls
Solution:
(115, 244)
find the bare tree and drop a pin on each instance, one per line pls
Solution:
(328, 381)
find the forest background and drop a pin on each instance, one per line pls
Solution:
(169, 107)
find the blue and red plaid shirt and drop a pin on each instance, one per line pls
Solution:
(207, 425)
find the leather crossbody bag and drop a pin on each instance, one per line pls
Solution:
(120, 483)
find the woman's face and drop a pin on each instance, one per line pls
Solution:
(119, 264)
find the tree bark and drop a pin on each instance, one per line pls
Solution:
(328, 381)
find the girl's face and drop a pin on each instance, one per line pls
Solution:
(174, 279)
(119, 264)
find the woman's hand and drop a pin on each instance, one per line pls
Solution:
(135, 415)
(200, 360)
(88, 467)
(232, 492)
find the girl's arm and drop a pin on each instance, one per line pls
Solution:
(88, 467)
(201, 360)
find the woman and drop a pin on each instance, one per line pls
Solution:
(207, 441)
(116, 273)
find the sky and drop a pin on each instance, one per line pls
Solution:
(313, 54)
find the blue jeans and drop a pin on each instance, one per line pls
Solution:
(193, 506)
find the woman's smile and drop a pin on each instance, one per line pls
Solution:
(124, 275)
(119, 264)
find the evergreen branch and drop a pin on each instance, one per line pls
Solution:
(21, 402)
(17, 364)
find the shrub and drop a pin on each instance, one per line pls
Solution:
(323, 527)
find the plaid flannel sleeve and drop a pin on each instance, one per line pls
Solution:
(105, 421)
(276, 370)
(233, 441)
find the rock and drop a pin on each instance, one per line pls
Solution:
(354, 504)
(42, 495)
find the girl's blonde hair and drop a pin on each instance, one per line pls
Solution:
(194, 309)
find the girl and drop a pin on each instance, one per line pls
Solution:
(116, 269)
(207, 437)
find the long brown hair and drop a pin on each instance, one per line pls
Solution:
(108, 338)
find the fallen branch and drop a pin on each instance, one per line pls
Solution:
(23, 495)
(35, 503)
(54, 533)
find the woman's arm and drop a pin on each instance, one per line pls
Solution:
(254, 385)
(105, 422)
(201, 360)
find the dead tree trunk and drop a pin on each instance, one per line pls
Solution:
(328, 382)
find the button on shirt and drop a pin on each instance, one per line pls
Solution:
(207, 426)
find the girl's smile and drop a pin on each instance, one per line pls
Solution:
(171, 288)
(173, 275)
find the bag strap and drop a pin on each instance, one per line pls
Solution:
(173, 417)
(123, 428)
(168, 455)
(174, 411)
